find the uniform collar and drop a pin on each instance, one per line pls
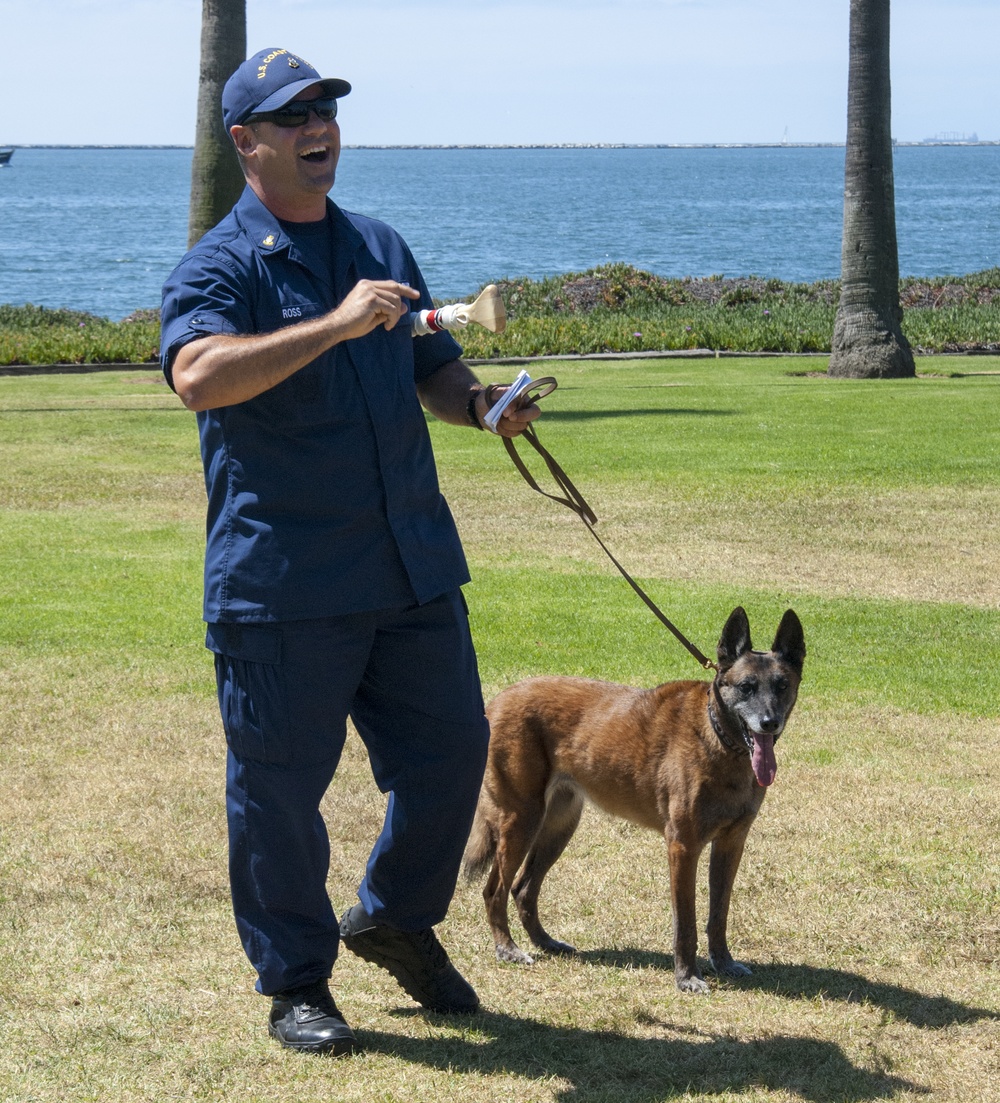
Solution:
(265, 232)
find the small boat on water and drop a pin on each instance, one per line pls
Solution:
(5, 155)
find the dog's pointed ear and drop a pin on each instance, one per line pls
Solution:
(735, 638)
(790, 641)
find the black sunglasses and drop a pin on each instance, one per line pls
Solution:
(297, 112)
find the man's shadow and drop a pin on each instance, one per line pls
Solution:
(603, 1064)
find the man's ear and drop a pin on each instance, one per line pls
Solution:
(243, 138)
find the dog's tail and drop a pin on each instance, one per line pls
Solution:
(482, 846)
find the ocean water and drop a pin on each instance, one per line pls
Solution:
(99, 229)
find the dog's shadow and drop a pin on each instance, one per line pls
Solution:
(597, 1065)
(807, 983)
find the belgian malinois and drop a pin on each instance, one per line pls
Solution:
(689, 759)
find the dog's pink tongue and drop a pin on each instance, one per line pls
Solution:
(765, 766)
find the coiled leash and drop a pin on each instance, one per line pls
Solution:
(572, 499)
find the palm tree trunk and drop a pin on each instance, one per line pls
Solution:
(868, 342)
(216, 177)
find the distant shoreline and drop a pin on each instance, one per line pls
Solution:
(575, 145)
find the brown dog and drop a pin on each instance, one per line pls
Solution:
(689, 759)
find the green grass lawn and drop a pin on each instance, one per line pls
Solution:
(867, 902)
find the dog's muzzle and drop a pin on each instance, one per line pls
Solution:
(725, 738)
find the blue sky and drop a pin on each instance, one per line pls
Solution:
(485, 71)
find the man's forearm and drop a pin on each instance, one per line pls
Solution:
(222, 370)
(447, 392)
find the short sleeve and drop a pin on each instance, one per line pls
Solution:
(203, 296)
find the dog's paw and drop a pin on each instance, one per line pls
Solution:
(514, 955)
(693, 984)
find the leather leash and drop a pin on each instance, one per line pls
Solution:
(575, 501)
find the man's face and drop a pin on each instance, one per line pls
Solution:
(292, 168)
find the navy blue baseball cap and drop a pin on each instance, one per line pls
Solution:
(269, 80)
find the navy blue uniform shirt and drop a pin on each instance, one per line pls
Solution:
(323, 496)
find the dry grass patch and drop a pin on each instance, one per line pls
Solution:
(942, 542)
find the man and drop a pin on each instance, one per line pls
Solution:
(333, 567)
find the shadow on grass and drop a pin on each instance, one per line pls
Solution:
(95, 408)
(549, 416)
(916, 1008)
(807, 983)
(664, 411)
(602, 1065)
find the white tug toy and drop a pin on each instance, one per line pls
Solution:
(486, 311)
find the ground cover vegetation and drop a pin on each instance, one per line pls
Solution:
(867, 902)
(614, 308)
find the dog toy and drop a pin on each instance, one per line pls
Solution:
(487, 311)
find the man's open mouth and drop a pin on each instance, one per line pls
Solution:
(317, 155)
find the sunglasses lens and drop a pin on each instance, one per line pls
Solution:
(296, 114)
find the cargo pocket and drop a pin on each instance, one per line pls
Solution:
(250, 684)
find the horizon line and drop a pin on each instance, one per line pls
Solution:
(932, 142)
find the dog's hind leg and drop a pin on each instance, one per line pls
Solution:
(563, 808)
(516, 831)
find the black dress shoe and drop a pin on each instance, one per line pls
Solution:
(307, 1019)
(415, 958)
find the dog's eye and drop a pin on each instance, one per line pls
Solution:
(747, 688)
(780, 685)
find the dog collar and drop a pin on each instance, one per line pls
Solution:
(744, 747)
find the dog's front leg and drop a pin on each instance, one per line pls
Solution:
(683, 873)
(727, 851)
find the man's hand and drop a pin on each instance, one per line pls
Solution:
(514, 419)
(371, 303)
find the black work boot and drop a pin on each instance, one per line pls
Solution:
(308, 1020)
(415, 958)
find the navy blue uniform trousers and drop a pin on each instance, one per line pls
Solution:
(408, 680)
